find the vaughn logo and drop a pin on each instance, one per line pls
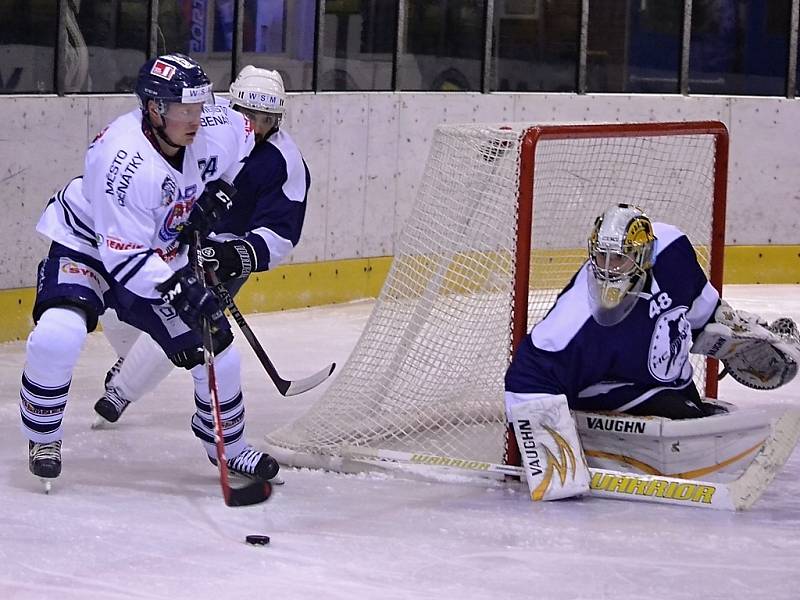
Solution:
(614, 425)
(540, 461)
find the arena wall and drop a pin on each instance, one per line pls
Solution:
(366, 153)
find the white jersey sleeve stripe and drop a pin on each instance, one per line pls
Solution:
(294, 188)
(703, 307)
(133, 270)
(566, 318)
(279, 247)
(78, 227)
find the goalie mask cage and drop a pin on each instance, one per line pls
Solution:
(500, 225)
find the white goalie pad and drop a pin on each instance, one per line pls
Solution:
(755, 353)
(715, 448)
(552, 459)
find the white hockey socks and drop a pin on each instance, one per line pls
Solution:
(51, 354)
(552, 457)
(227, 366)
(144, 367)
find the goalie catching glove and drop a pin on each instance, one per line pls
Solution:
(230, 260)
(548, 441)
(755, 353)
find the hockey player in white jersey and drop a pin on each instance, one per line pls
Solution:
(618, 338)
(256, 234)
(150, 177)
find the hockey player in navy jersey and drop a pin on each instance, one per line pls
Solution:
(618, 338)
(117, 232)
(256, 234)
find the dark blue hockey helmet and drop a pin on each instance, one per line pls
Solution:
(173, 78)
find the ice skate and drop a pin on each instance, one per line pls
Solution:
(109, 407)
(253, 464)
(44, 461)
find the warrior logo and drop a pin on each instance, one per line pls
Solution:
(669, 346)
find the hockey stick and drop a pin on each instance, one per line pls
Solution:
(739, 494)
(256, 491)
(286, 387)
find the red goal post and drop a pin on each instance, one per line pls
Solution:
(535, 135)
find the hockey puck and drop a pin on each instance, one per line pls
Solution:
(257, 540)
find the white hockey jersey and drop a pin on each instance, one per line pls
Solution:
(127, 208)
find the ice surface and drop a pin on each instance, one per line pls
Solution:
(137, 512)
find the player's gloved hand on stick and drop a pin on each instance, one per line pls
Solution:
(193, 300)
(231, 259)
(213, 203)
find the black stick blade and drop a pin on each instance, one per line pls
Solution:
(255, 492)
(298, 386)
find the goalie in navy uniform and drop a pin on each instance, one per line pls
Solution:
(618, 339)
(257, 234)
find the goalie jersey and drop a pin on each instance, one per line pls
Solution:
(127, 209)
(605, 368)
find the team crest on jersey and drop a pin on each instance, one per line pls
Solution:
(669, 346)
(178, 213)
(163, 70)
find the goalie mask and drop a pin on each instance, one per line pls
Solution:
(621, 248)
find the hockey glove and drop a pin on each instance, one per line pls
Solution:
(213, 203)
(230, 260)
(192, 300)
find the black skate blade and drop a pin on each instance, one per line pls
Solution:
(254, 493)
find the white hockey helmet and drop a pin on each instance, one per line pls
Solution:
(621, 248)
(259, 90)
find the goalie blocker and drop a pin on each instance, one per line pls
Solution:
(552, 458)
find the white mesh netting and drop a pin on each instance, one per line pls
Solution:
(426, 375)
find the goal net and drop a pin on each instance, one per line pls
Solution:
(499, 226)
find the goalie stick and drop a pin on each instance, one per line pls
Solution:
(739, 494)
(254, 492)
(287, 387)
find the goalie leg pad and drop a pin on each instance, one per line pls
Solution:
(552, 457)
(713, 448)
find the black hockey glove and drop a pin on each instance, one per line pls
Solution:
(232, 259)
(212, 204)
(192, 300)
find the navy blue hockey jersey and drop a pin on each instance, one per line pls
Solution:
(569, 353)
(270, 203)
